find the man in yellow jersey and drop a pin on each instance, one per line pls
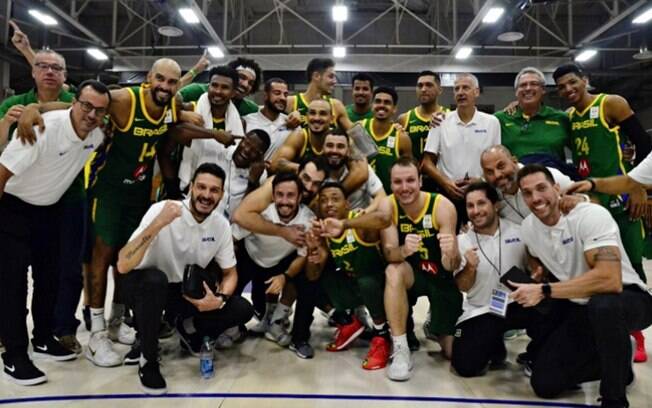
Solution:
(416, 121)
(419, 242)
(599, 124)
(321, 81)
(309, 142)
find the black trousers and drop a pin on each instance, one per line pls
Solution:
(479, 339)
(591, 342)
(29, 235)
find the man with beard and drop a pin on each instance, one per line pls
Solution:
(308, 142)
(172, 236)
(321, 81)
(362, 91)
(392, 141)
(416, 121)
(419, 243)
(270, 117)
(355, 280)
(270, 263)
(605, 298)
(249, 77)
(337, 152)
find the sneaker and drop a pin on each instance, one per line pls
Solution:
(345, 334)
(413, 342)
(86, 313)
(303, 349)
(189, 342)
(166, 330)
(426, 329)
(640, 356)
(364, 316)
(100, 351)
(2, 346)
(119, 332)
(52, 349)
(527, 369)
(277, 333)
(133, 356)
(513, 334)
(237, 333)
(70, 342)
(400, 369)
(223, 341)
(151, 380)
(378, 354)
(22, 371)
(261, 327)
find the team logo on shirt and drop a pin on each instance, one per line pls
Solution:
(139, 174)
(208, 239)
(429, 267)
(584, 168)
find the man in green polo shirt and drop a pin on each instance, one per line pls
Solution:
(250, 76)
(535, 129)
(362, 91)
(49, 73)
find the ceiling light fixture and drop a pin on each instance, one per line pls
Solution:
(97, 54)
(340, 13)
(586, 55)
(45, 19)
(189, 15)
(215, 52)
(644, 17)
(493, 15)
(464, 53)
(339, 51)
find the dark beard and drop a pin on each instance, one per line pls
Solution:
(270, 106)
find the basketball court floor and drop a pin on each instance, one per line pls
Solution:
(260, 374)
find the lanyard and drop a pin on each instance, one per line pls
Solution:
(500, 250)
(516, 209)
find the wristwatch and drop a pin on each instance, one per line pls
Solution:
(546, 290)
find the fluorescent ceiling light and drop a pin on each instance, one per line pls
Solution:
(644, 17)
(216, 52)
(340, 13)
(97, 54)
(493, 15)
(189, 15)
(45, 19)
(464, 53)
(339, 52)
(586, 55)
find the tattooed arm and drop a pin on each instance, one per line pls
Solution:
(132, 254)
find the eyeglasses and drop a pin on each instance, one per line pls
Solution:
(88, 108)
(45, 66)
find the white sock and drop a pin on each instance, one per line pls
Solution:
(400, 341)
(97, 320)
(379, 326)
(189, 326)
(142, 361)
(117, 312)
(280, 312)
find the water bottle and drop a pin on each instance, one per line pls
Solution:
(206, 368)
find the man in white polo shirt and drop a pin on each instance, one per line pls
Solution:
(32, 180)
(452, 153)
(270, 117)
(171, 236)
(607, 299)
(271, 262)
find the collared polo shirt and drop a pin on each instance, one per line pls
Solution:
(276, 129)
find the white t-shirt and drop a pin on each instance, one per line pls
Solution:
(42, 172)
(277, 130)
(643, 172)
(268, 250)
(561, 247)
(186, 242)
(511, 253)
(513, 207)
(459, 145)
(362, 197)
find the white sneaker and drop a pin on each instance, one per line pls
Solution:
(223, 341)
(100, 351)
(261, 327)
(276, 333)
(400, 369)
(121, 333)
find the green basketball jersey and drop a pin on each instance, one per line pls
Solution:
(356, 117)
(129, 166)
(353, 255)
(596, 147)
(301, 105)
(417, 127)
(388, 152)
(308, 150)
(428, 258)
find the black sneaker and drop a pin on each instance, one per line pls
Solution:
(189, 342)
(412, 340)
(22, 371)
(133, 356)
(151, 380)
(86, 313)
(166, 330)
(303, 349)
(52, 349)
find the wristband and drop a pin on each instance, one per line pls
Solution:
(546, 290)
(590, 180)
(192, 73)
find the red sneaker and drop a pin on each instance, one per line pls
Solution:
(640, 356)
(378, 354)
(345, 334)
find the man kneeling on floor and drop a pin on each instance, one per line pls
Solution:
(171, 237)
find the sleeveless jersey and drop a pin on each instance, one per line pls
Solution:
(356, 117)
(129, 163)
(308, 150)
(417, 127)
(428, 258)
(301, 105)
(596, 147)
(352, 254)
(388, 152)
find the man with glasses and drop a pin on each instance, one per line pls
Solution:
(33, 178)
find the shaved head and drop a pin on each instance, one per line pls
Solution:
(315, 103)
(166, 64)
(163, 79)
